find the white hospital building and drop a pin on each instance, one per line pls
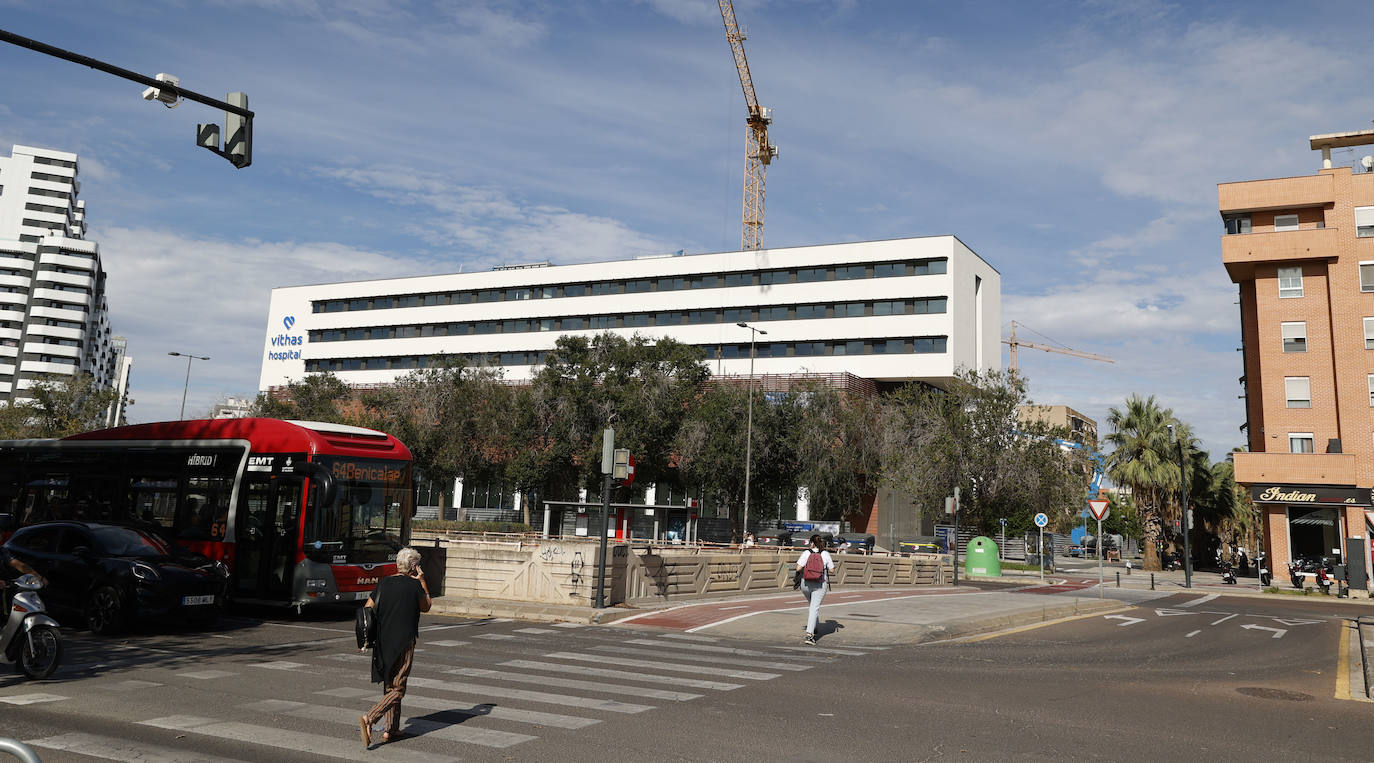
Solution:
(888, 311)
(54, 320)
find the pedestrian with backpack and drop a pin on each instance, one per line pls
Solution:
(815, 566)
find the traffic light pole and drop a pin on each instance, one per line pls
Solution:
(1187, 525)
(607, 467)
(181, 92)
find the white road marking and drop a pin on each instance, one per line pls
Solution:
(111, 748)
(283, 739)
(739, 606)
(554, 720)
(1200, 600)
(1278, 632)
(450, 642)
(281, 665)
(203, 675)
(573, 683)
(569, 625)
(133, 685)
(586, 670)
(30, 699)
(1224, 619)
(822, 649)
(345, 716)
(1125, 620)
(495, 636)
(485, 692)
(1171, 612)
(721, 649)
(537, 631)
(1296, 622)
(714, 659)
(690, 637)
(1194, 633)
(657, 665)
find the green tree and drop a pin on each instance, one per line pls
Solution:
(1145, 460)
(971, 436)
(837, 446)
(317, 397)
(67, 406)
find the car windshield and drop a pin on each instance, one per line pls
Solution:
(126, 541)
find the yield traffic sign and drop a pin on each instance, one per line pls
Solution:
(1098, 509)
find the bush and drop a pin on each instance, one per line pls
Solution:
(448, 525)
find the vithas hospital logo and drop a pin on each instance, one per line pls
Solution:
(286, 342)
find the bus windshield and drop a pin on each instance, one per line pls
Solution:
(364, 523)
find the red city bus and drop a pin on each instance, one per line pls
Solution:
(300, 512)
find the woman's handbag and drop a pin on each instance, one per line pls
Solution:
(365, 624)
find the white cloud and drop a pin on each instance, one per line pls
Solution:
(171, 292)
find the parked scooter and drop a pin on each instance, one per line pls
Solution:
(30, 639)
(1266, 578)
(1295, 574)
(1228, 573)
(1324, 580)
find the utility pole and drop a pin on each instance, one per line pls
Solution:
(607, 467)
(238, 138)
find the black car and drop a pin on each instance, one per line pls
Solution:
(109, 574)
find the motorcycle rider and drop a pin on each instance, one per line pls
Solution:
(10, 562)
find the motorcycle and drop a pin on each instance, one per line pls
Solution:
(1295, 574)
(1324, 580)
(30, 639)
(1265, 577)
(1228, 573)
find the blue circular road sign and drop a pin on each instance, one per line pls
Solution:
(1041, 520)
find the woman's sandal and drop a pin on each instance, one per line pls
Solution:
(387, 736)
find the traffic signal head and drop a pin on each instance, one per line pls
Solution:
(238, 132)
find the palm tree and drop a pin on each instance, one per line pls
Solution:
(1144, 460)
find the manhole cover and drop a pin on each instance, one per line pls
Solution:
(1263, 693)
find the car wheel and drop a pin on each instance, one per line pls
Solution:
(106, 614)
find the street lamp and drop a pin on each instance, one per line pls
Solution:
(1183, 503)
(749, 427)
(187, 384)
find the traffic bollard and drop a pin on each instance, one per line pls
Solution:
(1118, 580)
(1152, 581)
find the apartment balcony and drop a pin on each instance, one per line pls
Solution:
(1241, 252)
(1277, 193)
(1295, 468)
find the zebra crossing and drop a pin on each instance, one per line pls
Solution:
(477, 686)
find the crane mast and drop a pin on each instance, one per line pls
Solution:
(758, 152)
(1014, 343)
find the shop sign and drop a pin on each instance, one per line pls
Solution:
(1311, 495)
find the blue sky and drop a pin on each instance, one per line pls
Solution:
(1075, 145)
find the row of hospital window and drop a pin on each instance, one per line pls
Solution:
(632, 320)
(641, 285)
(1364, 223)
(925, 345)
(1294, 335)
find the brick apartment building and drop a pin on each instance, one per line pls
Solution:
(1301, 250)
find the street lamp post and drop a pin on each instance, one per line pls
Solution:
(187, 384)
(749, 425)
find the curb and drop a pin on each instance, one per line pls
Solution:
(542, 613)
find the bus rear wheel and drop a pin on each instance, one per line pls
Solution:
(105, 612)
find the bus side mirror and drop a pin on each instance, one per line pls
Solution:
(329, 489)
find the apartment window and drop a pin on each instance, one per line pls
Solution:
(849, 310)
(847, 272)
(1369, 333)
(575, 290)
(637, 319)
(672, 284)
(519, 295)
(1298, 391)
(808, 349)
(1300, 442)
(605, 287)
(1285, 223)
(1364, 222)
(889, 269)
(770, 277)
(1237, 224)
(637, 287)
(805, 275)
(739, 279)
(1294, 336)
(1367, 276)
(772, 313)
(1370, 379)
(1290, 282)
(705, 282)
(810, 311)
(602, 322)
(668, 319)
(889, 308)
(573, 323)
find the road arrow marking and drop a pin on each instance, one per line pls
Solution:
(1296, 622)
(1172, 612)
(1224, 619)
(1128, 620)
(1194, 633)
(1278, 632)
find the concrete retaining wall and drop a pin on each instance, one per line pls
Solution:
(564, 571)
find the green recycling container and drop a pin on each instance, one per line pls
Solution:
(982, 558)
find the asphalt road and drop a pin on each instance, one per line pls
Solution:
(1178, 677)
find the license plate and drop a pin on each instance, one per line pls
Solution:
(194, 600)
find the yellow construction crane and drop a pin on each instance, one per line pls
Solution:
(758, 152)
(1013, 342)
